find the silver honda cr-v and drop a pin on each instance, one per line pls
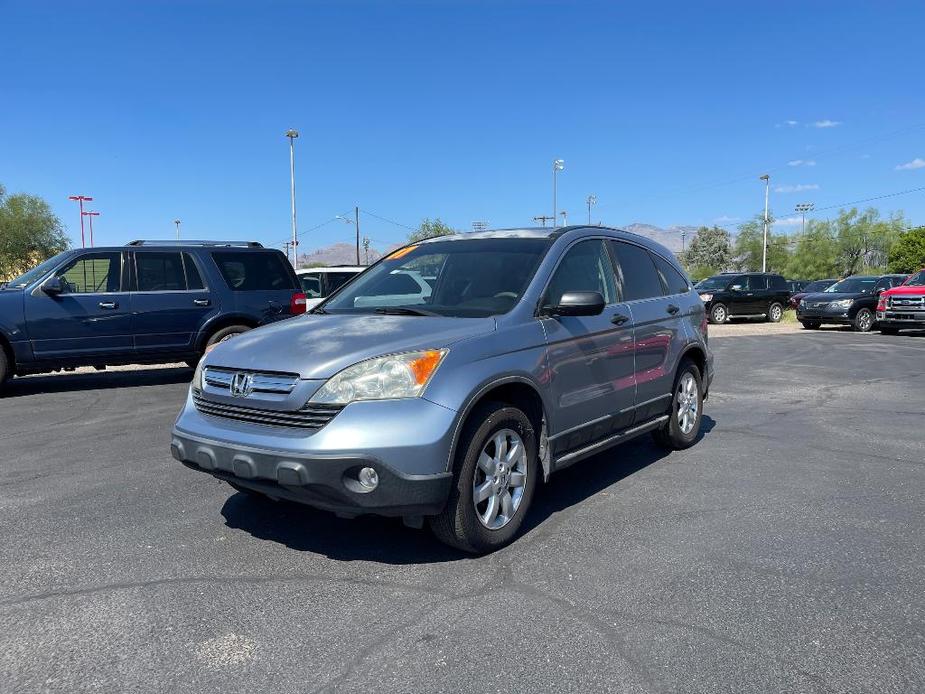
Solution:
(451, 377)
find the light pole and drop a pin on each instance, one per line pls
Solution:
(592, 201)
(803, 208)
(764, 247)
(557, 166)
(292, 134)
(564, 218)
(91, 215)
(80, 201)
(177, 222)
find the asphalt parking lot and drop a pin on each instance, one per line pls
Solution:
(784, 552)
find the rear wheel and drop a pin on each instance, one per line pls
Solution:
(811, 324)
(4, 366)
(719, 313)
(775, 313)
(683, 425)
(224, 334)
(863, 320)
(494, 477)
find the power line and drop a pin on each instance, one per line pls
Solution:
(386, 219)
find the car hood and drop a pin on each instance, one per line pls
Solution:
(319, 345)
(906, 289)
(835, 296)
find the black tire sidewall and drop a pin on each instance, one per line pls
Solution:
(672, 434)
(489, 421)
(220, 335)
(810, 325)
(4, 366)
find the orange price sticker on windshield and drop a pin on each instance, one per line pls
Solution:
(401, 252)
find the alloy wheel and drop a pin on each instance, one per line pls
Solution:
(688, 402)
(499, 479)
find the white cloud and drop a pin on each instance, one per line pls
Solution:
(826, 123)
(917, 163)
(797, 188)
(788, 222)
(788, 123)
(801, 162)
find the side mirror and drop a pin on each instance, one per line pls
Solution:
(578, 304)
(52, 286)
(735, 288)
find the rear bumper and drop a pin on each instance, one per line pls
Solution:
(328, 483)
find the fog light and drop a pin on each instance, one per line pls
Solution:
(369, 478)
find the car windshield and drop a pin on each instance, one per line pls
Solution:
(464, 278)
(917, 280)
(853, 285)
(718, 282)
(817, 286)
(35, 273)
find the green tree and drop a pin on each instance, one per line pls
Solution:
(864, 240)
(748, 247)
(29, 233)
(816, 253)
(710, 252)
(429, 228)
(907, 254)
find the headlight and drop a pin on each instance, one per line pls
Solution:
(802, 302)
(706, 297)
(197, 378)
(841, 303)
(393, 376)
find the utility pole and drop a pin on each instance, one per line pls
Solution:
(592, 201)
(356, 221)
(80, 201)
(557, 166)
(764, 247)
(366, 248)
(91, 215)
(803, 208)
(292, 134)
(177, 222)
(683, 240)
(543, 218)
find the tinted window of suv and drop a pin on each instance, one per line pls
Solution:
(193, 278)
(778, 282)
(756, 283)
(586, 267)
(252, 270)
(640, 281)
(672, 280)
(159, 272)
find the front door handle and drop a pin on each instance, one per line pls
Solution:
(201, 302)
(109, 305)
(672, 309)
(619, 319)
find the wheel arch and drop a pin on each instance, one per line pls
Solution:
(696, 354)
(220, 323)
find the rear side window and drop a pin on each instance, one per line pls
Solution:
(756, 282)
(193, 278)
(311, 285)
(672, 280)
(253, 271)
(159, 272)
(640, 280)
(778, 282)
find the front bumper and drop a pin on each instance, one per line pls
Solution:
(825, 315)
(900, 318)
(407, 442)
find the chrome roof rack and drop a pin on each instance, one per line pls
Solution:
(185, 242)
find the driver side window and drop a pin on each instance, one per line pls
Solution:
(93, 273)
(586, 267)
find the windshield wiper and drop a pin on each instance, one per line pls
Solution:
(403, 311)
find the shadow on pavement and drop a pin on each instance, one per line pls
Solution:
(387, 540)
(101, 380)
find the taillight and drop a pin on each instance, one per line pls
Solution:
(881, 303)
(297, 303)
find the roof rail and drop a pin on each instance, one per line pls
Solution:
(185, 242)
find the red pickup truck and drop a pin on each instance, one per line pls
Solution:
(903, 306)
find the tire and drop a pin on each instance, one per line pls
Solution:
(4, 367)
(810, 324)
(863, 321)
(719, 313)
(675, 434)
(462, 523)
(224, 334)
(775, 313)
(887, 330)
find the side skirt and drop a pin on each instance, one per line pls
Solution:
(573, 457)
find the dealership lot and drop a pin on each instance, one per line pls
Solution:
(783, 552)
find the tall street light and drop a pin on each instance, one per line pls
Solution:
(292, 134)
(592, 201)
(803, 208)
(91, 215)
(80, 200)
(356, 222)
(177, 222)
(764, 247)
(557, 166)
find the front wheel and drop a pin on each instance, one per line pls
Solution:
(811, 324)
(494, 478)
(719, 313)
(863, 321)
(775, 313)
(683, 425)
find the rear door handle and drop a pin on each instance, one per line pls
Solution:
(619, 319)
(109, 305)
(672, 309)
(201, 302)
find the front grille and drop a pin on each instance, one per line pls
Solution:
(309, 418)
(263, 382)
(819, 304)
(910, 303)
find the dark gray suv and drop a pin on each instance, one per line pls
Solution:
(449, 399)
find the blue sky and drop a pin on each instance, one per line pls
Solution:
(667, 112)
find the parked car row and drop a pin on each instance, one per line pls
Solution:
(903, 306)
(851, 301)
